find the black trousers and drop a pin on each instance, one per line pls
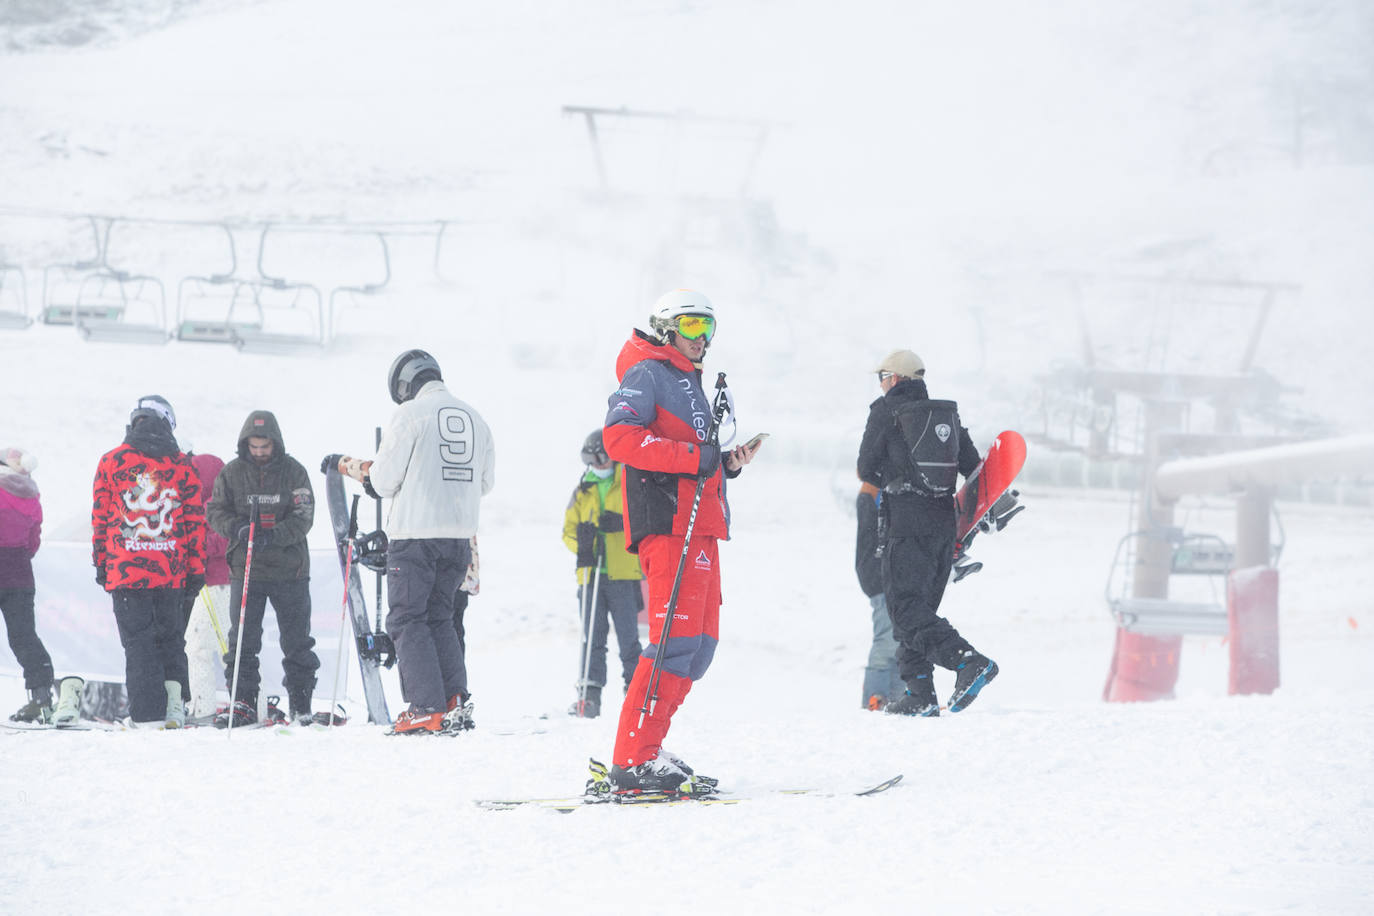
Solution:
(150, 630)
(17, 606)
(916, 565)
(422, 581)
(291, 601)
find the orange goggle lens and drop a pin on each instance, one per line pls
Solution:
(694, 326)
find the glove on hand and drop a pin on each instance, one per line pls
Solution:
(261, 536)
(611, 521)
(100, 575)
(586, 545)
(330, 463)
(710, 459)
(194, 583)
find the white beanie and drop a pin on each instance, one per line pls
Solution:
(17, 459)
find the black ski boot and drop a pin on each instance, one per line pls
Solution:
(659, 775)
(589, 705)
(918, 700)
(972, 673)
(37, 709)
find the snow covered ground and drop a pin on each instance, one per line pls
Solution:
(923, 162)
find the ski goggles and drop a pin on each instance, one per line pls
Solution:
(694, 326)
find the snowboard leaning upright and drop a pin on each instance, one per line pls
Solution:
(342, 522)
(986, 485)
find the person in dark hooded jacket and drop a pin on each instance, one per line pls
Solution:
(267, 491)
(147, 545)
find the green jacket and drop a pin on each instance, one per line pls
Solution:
(593, 496)
(281, 489)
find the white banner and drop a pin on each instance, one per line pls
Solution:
(76, 622)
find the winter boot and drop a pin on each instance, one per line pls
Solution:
(972, 674)
(918, 700)
(300, 706)
(588, 706)
(37, 709)
(657, 775)
(459, 715)
(415, 721)
(68, 711)
(244, 714)
(176, 706)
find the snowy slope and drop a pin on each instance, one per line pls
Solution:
(924, 162)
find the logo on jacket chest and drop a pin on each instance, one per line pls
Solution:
(943, 431)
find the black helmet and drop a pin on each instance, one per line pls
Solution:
(594, 450)
(409, 372)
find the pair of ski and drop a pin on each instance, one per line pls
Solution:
(598, 793)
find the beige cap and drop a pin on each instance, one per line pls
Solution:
(903, 363)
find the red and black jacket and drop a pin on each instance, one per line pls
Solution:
(657, 422)
(147, 519)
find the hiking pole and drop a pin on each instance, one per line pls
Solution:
(594, 576)
(343, 612)
(378, 572)
(243, 608)
(712, 438)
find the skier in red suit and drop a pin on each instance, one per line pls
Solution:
(657, 427)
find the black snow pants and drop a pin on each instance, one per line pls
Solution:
(149, 621)
(17, 606)
(291, 600)
(423, 576)
(916, 565)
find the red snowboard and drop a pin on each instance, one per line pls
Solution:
(976, 503)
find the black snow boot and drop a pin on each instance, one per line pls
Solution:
(972, 674)
(244, 714)
(300, 700)
(589, 705)
(918, 700)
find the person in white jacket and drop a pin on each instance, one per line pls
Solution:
(435, 464)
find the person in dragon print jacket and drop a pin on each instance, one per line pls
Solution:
(148, 544)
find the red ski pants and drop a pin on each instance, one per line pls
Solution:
(690, 646)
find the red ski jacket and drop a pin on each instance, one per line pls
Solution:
(147, 520)
(657, 421)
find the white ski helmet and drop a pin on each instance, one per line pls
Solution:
(671, 306)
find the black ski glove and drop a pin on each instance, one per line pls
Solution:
(710, 459)
(330, 463)
(261, 536)
(194, 583)
(611, 521)
(586, 545)
(100, 575)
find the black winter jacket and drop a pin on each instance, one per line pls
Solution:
(884, 461)
(281, 488)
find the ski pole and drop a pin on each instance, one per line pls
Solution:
(588, 621)
(243, 608)
(712, 438)
(214, 618)
(343, 611)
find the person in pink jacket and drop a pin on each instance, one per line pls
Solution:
(21, 518)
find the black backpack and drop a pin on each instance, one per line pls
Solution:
(930, 430)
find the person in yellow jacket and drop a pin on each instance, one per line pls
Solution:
(608, 576)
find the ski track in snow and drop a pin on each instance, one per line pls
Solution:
(1039, 798)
